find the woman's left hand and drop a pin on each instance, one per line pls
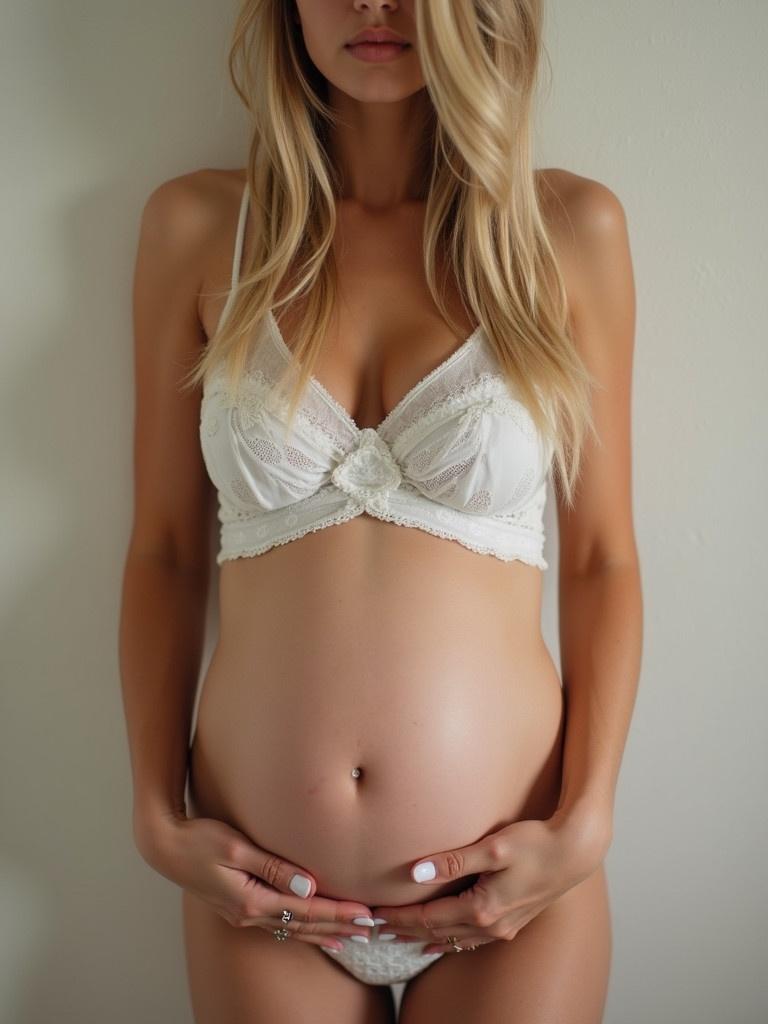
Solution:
(522, 868)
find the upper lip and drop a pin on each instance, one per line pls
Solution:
(377, 35)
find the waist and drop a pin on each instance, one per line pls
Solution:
(378, 581)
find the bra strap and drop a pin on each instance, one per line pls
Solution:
(239, 238)
(237, 258)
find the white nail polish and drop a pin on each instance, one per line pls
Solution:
(300, 885)
(386, 936)
(379, 920)
(424, 872)
(359, 938)
(363, 920)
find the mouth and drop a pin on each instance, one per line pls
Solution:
(374, 51)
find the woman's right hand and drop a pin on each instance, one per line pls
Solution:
(246, 885)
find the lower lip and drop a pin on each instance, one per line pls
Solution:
(376, 53)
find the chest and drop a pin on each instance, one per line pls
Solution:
(386, 332)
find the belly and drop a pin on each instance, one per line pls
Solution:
(376, 695)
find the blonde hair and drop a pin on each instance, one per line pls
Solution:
(479, 60)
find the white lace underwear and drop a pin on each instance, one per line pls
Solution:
(383, 963)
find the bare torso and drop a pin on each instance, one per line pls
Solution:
(373, 646)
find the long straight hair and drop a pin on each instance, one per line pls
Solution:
(479, 60)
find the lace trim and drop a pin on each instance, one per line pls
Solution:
(317, 512)
(226, 554)
(481, 549)
(248, 551)
(408, 397)
(488, 390)
(405, 401)
(324, 394)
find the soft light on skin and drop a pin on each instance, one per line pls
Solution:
(327, 25)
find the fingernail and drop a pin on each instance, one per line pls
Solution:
(359, 938)
(386, 936)
(363, 920)
(424, 872)
(331, 949)
(379, 920)
(301, 885)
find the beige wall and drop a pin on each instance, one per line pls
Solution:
(663, 102)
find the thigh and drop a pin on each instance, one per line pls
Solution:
(554, 971)
(243, 976)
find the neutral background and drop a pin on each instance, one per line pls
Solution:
(665, 102)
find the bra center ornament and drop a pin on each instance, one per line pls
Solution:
(369, 472)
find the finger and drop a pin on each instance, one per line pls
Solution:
(488, 854)
(275, 871)
(465, 943)
(320, 928)
(444, 912)
(326, 941)
(463, 932)
(314, 910)
(285, 877)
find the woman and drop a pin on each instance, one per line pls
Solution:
(371, 346)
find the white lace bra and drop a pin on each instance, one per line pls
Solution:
(458, 456)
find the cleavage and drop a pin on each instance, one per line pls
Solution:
(368, 381)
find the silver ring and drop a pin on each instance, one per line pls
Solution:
(287, 915)
(281, 934)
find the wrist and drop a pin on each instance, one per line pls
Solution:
(151, 823)
(588, 823)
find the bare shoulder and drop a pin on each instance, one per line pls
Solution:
(588, 228)
(187, 222)
(587, 225)
(186, 210)
(575, 203)
(172, 505)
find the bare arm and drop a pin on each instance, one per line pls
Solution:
(166, 574)
(165, 589)
(601, 613)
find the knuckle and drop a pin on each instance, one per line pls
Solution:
(497, 931)
(497, 850)
(251, 910)
(253, 900)
(271, 869)
(234, 912)
(454, 865)
(423, 922)
(304, 927)
(232, 847)
(309, 915)
(482, 917)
